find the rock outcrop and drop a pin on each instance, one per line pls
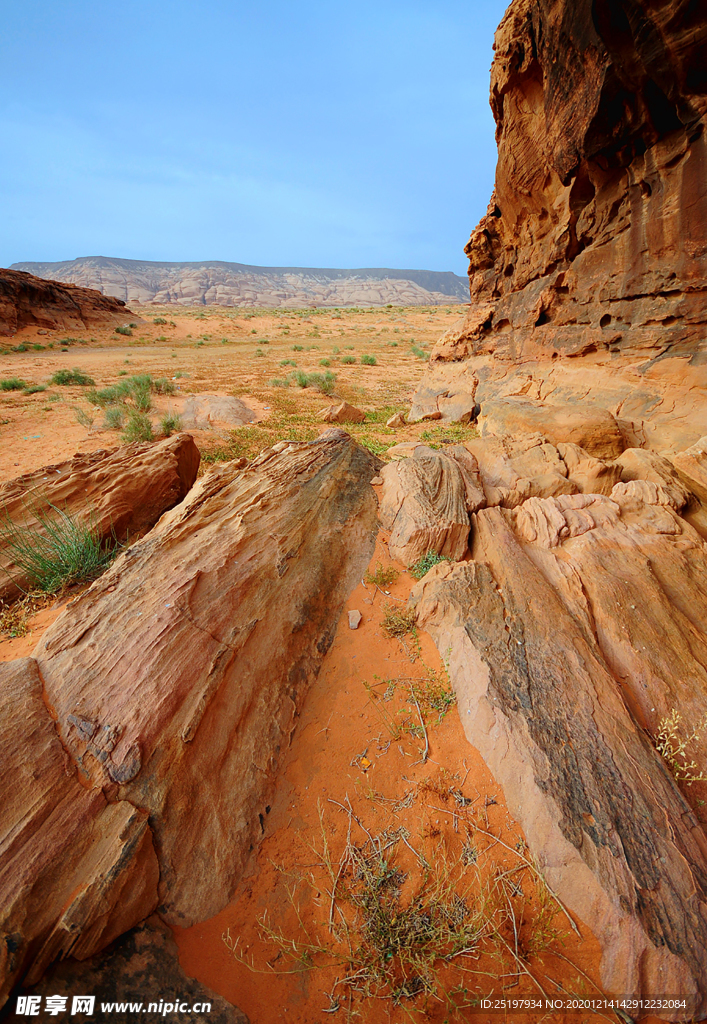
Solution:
(237, 284)
(121, 491)
(578, 626)
(588, 275)
(26, 300)
(166, 693)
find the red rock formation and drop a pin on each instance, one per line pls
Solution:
(121, 491)
(595, 240)
(167, 691)
(28, 300)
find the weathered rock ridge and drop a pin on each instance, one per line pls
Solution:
(236, 284)
(26, 300)
(121, 492)
(141, 740)
(595, 241)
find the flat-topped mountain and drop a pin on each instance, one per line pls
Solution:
(213, 282)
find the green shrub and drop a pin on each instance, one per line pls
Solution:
(287, 362)
(124, 330)
(368, 360)
(159, 320)
(423, 565)
(20, 348)
(75, 376)
(348, 360)
(163, 386)
(61, 549)
(419, 352)
(34, 389)
(13, 384)
(325, 362)
(263, 341)
(139, 427)
(298, 348)
(170, 424)
(115, 418)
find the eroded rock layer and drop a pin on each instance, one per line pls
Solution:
(594, 247)
(151, 719)
(26, 300)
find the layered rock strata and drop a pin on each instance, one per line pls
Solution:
(594, 247)
(163, 697)
(121, 492)
(29, 301)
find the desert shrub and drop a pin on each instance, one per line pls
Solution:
(423, 565)
(298, 348)
(124, 330)
(69, 377)
(12, 384)
(397, 621)
(139, 427)
(382, 575)
(159, 320)
(287, 362)
(348, 360)
(115, 418)
(34, 389)
(84, 418)
(368, 360)
(419, 352)
(170, 424)
(325, 362)
(163, 386)
(61, 549)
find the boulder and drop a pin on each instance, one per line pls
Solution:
(342, 413)
(595, 430)
(423, 504)
(207, 412)
(397, 420)
(122, 491)
(142, 966)
(579, 625)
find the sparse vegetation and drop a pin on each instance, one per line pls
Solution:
(84, 418)
(12, 384)
(398, 621)
(170, 424)
(54, 549)
(35, 389)
(139, 427)
(72, 377)
(673, 746)
(423, 565)
(125, 330)
(368, 360)
(115, 418)
(382, 575)
(348, 360)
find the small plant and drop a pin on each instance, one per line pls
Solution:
(58, 549)
(69, 377)
(382, 575)
(139, 427)
(397, 622)
(325, 362)
(14, 617)
(672, 746)
(348, 360)
(298, 348)
(373, 445)
(368, 360)
(35, 389)
(419, 352)
(170, 424)
(263, 341)
(12, 384)
(287, 362)
(124, 330)
(85, 419)
(159, 320)
(115, 418)
(163, 386)
(259, 352)
(423, 565)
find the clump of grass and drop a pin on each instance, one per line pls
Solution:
(673, 745)
(259, 352)
(287, 362)
(420, 353)
(84, 418)
(397, 622)
(115, 418)
(325, 362)
(423, 565)
(170, 424)
(298, 348)
(368, 360)
(382, 575)
(14, 616)
(139, 427)
(35, 389)
(373, 445)
(124, 330)
(163, 386)
(159, 320)
(263, 341)
(72, 377)
(58, 549)
(348, 360)
(12, 384)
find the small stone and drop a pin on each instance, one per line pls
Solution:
(398, 420)
(354, 618)
(376, 481)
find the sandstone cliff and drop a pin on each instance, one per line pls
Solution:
(26, 300)
(595, 240)
(236, 284)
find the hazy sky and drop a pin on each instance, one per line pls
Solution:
(303, 134)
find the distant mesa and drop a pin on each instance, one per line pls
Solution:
(213, 282)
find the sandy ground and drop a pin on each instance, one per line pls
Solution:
(358, 745)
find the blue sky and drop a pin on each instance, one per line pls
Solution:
(309, 134)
